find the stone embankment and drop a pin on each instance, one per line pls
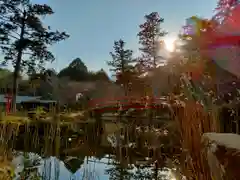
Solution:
(223, 153)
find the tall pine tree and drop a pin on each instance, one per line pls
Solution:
(121, 63)
(149, 37)
(24, 39)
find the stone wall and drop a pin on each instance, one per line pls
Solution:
(223, 152)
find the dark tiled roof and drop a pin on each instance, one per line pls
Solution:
(41, 101)
(19, 99)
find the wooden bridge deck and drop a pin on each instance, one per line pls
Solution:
(123, 105)
(156, 112)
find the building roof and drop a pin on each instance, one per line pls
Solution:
(19, 99)
(41, 101)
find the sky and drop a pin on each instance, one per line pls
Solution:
(93, 25)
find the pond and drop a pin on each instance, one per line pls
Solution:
(90, 169)
(93, 151)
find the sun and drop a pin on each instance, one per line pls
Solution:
(169, 44)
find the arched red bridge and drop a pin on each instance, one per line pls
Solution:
(125, 103)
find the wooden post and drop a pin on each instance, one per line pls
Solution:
(8, 97)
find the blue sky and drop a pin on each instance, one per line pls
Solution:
(94, 24)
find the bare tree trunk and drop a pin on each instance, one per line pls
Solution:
(18, 65)
(15, 81)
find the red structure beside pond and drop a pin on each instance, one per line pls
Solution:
(8, 98)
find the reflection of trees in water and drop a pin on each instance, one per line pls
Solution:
(148, 173)
(153, 143)
(118, 172)
(89, 171)
(73, 163)
(31, 164)
(47, 169)
(43, 141)
(142, 173)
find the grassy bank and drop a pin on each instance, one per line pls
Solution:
(26, 117)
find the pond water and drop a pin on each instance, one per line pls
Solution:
(52, 168)
(112, 151)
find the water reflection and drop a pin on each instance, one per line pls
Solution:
(100, 150)
(54, 169)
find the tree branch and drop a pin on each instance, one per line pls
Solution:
(18, 9)
(4, 18)
(27, 53)
(5, 44)
(12, 36)
(16, 33)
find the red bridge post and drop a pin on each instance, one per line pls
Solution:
(8, 97)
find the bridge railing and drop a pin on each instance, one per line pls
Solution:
(123, 101)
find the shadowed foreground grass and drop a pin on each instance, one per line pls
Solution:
(194, 121)
(28, 116)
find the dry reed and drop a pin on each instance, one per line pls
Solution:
(193, 121)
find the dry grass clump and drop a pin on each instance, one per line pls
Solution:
(193, 122)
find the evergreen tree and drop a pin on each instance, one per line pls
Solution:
(119, 173)
(101, 75)
(76, 71)
(121, 61)
(121, 58)
(24, 39)
(149, 37)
